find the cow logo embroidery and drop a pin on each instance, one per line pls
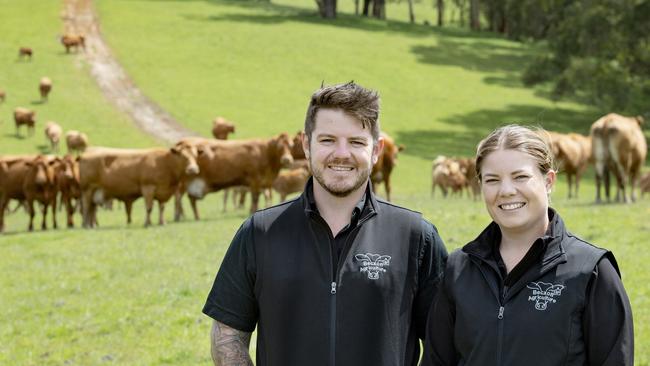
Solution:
(543, 293)
(373, 264)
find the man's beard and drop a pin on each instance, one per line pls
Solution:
(339, 189)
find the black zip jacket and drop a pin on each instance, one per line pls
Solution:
(278, 274)
(565, 306)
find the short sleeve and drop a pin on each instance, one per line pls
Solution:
(231, 300)
(432, 260)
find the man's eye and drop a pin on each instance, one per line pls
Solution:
(358, 143)
(326, 140)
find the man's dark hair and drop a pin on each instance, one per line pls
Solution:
(353, 99)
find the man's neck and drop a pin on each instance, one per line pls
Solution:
(336, 211)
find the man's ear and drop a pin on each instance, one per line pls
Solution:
(377, 149)
(305, 145)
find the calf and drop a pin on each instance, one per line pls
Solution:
(290, 181)
(222, 128)
(24, 116)
(25, 52)
(386, 161)
(44, 87)
(53, 133)
(447, 174)
(76, 141)
(73, 41)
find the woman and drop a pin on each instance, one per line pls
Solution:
(526, 291)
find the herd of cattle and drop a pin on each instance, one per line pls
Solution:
(194, 166)
(615, 144)
(91, 176)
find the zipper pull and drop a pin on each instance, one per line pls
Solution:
(333, 290)
(501, 309)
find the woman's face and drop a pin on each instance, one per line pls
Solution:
(515, 191)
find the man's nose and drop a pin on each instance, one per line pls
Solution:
(342, 149)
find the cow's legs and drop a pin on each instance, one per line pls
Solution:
(387, 187)
(161, 212)
(569, 179)
(242, 197)
(148, 193)
(195, 210)
(128, 206)
(255, 197)
(44, 208)
(30, 211)
(69, 209)
(53, 202)
(3, 206)
(577, 185)
(225, 198)
(178, 205)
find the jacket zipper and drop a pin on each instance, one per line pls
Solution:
(334, 285)
(500, 316)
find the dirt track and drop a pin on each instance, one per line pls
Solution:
(79, 17)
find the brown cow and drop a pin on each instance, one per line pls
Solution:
(468, 168)
(73, 41)
(385, 163)
(446, 174)
(3, 95)
(24, 116)
(67, 180)
(76, 141)
(254, 163)
(26, 179)
(44, 87)
(53, 133)
(572, 154)
(24, 52)
(297, 151)
(129, 174)
(290, 181)
(221, 128)
(618, 144)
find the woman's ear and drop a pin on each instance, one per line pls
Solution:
(550, 180)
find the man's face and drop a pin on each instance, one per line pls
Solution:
(341, 152)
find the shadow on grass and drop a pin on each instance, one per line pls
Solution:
(279, 13)
(428, 144)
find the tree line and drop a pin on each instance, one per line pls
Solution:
(597, 51)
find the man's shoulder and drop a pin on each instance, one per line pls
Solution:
(290, 209)
(393, 208)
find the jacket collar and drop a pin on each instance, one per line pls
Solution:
(488, 240)
(367, 206)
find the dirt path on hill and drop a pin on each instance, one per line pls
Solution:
(79, 17)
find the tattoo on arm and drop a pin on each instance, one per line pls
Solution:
(229, 346)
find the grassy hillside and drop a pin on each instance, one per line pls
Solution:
(132, 296)
(75, 101)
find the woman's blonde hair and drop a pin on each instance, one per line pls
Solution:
(532, 141)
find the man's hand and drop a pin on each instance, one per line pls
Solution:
(229, 346)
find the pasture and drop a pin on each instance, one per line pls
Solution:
(133, 296)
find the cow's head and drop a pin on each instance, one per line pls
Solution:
(68, 169)
(188, 153)
(281, 146)
(43, 169)
(297, 151)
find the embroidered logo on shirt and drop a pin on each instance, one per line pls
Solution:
(543, 293)
(373, 264)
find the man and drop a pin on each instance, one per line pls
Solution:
(334, 277)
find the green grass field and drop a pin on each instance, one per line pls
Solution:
(133, 296)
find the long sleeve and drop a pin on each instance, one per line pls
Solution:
(439, 346)
(607, 321)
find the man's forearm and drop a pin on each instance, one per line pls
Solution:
(229, 346)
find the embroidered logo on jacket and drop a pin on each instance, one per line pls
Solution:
(543, 293)
(373, 264)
